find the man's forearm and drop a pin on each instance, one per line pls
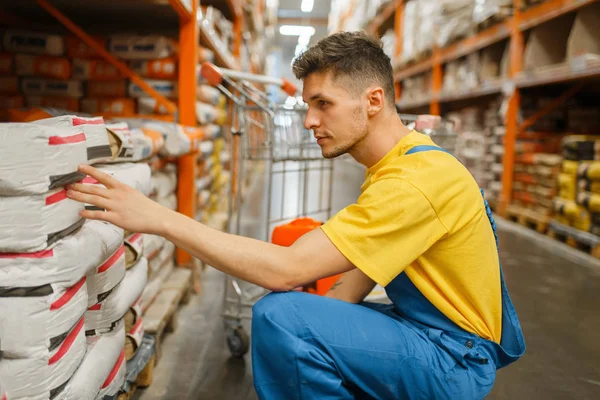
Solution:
(252, 260)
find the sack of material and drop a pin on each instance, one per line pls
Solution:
(165, 88)
(94, 69)
(141, 47)
(42, 66)
(44, 377)
(157, 139)
(143, 144)
(106, 89)
(32, 223)
(155, 283)
(104, 278)
(127, 151)
(35, 320)
(211, 131)
(115, 106)
(97, 139)
(136, 175)
(134, 249)
(134, 339)
(104, 352)
(163, 184)
(53, 102)
(152, 245)
(134, 314)
(66, 262)
(166, 253)
(33, 42)
(164, 68)
(211, 95)
(115, 380)
(170, 201)
(35, 159)
(208, 114)
(149, 105)
(105, 315)
(76, 48)
(48, 87)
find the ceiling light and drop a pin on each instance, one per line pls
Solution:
(296, 30)
(307, 5)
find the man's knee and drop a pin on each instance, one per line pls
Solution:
(278, 312)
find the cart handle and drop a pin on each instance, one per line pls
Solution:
(214, 75)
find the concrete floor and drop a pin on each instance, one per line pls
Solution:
(556, 291)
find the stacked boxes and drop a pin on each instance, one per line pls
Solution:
(494, 132)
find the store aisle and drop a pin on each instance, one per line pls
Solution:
(554, 289)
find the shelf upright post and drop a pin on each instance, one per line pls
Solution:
(437, 82)
(188, 60)
(517, 48)
(398, 29)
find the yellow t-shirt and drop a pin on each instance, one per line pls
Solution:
(423, 214)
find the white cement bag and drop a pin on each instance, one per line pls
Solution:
(136, 175)
(31, 42)
(152, 245)
(155, 283)
(141, 47)
(35, 158)
(66, 262)
(163, 183)
(32, 223)
(206, 148)
(170, 201)
(165, 88)
(210, 95)
(115, 381)
(45, 377)
(143, 144)
(134, 339)
(208, 114)
(104, 352)
(129, 149)
(165, 254)
(106, 276)
(212, 131)
(49, 87)
(104, 316)
(134, 249)
(176, 141)
(98, 146)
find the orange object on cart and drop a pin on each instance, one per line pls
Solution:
(286, 235)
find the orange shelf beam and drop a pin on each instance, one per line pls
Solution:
(188, 58)
(375, 24)
(236, 8)
(182, 9)
(476, 42)
(548, 10)
(224, 58)
(121, 66)
(415, 69)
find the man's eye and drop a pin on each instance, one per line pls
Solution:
(322, 103)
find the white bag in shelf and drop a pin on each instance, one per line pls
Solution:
(94, 69)
(152, 245)
(32, 42)
(134, 249)
(210, 95)
(32, 223)
(104, 316)
(135, 175)
(166, 253)
(208, 114)
(35, 159)
(166, 88)
(42, 66)
(106, 276)
(170, 201)
(211, 131)
(134, 339)
(66, 262)
(163, 184)
(206, 148)
(113, 384)
(104, 353)
(35, 320)
(96, 135)
(44, 377)
(141, 47)
(50, 87)
(176, 141)
(155, 283)
(204, 182)
(126, 144)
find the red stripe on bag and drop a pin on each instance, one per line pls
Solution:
(112, 260)
(90, 180)
(91, 121)
(66, 345)
(58, 140)
(136, 327)
(64, 299)
(56, 197)
(95, 307)
(115, 370)
(135, 237)
(40, 254)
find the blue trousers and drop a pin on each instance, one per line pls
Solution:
(311, 347)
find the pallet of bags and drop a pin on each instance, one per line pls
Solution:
(588, 192)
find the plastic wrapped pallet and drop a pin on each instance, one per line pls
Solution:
(96, 135)
(42, 66)
(106, 276)
(49, 87)
(165, 68)
(105, 315)
(98, 70)
(9, 85)
(17, 41)
(7, 63)
(115, 380)
(165, 88)
(116, 106)
(141, 47)
(45, 377)
(208, 114)
(61, 103)
(32, 223)
(104, 352)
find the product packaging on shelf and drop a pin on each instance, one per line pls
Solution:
(16, 41)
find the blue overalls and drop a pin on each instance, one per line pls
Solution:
(311, 347)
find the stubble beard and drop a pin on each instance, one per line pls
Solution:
(360, 132)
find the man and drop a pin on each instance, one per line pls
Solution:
(420, 229)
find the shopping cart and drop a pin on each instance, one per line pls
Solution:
(298, 179)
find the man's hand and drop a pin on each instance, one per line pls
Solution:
(125, 207)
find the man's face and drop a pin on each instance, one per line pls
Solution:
(337, 116)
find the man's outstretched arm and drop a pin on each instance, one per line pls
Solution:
(274, 267)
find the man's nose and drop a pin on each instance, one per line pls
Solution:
(311, 121)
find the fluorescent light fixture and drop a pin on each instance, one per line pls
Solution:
(296, 30)
(307, 5)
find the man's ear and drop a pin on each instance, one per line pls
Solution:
(375, 100)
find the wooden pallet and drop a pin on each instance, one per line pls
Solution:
(140, 369)
(161, 315)
(528, 218)
(584, 241)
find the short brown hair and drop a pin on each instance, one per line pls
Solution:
(353, 55)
